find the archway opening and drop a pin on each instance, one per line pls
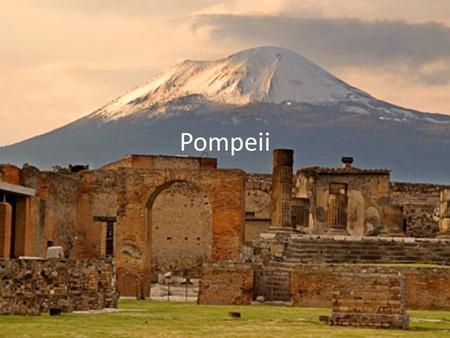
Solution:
(179, 222)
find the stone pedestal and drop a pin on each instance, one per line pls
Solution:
(55, 252)
(5, 229)
(444, 220)
(281, 211)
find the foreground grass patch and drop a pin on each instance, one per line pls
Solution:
(161, 319)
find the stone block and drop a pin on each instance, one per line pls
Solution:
(55, 252)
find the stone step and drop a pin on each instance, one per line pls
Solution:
(345, 261)
(371, 244)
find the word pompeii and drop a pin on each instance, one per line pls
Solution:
(232, 145)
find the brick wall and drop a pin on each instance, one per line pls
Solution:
(427, 288)
(258, 191)
(226, 284)
(28, 287)
(181, 236)
(375, 300)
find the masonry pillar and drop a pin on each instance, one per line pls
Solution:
(281, 213)
(5, 229)
(444, 220)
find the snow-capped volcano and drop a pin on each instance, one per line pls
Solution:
(264, 75)
(268, 89)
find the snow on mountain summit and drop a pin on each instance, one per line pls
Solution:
(264, 74)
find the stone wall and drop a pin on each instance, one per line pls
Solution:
(130, 195)
(313, 285)
(421, 207)
(226, 284)
(427, 288)
(162, 162)
(181, 236)
(374, 300)
(121, 207)
(9, 174)
(29, 287)
(50, 215)
(53, 211)
(258, 191)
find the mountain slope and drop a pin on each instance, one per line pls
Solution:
(265, 74)
(257, 90)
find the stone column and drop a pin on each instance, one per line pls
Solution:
(5, 229)
(444, 220)
(281, 213)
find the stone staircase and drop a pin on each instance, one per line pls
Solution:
(305, 250)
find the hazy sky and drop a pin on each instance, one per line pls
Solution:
(62, 59)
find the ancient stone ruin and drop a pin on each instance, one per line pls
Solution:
(282, 237)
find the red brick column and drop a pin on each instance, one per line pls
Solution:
(5, 229)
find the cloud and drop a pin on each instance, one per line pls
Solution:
(147, 8)
(396, 45)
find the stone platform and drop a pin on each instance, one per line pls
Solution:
(322, 249)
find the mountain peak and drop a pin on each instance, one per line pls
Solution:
(264, 74)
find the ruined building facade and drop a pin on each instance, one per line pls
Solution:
(155, 214)
(151, 213)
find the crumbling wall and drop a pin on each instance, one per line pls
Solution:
(97, 199)
(421, 207)
(162, 162)
(28, 287)
(226, 284)
(258, 191)
(53, 210)
(9, 174)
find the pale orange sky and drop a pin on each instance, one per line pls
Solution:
(62, 59)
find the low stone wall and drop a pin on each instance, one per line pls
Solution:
(226, 284)
(375, 300)
(28, 287)
(427, 288)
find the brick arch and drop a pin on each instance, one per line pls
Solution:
(137, 191)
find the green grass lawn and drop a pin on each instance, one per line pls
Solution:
(161, 319)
